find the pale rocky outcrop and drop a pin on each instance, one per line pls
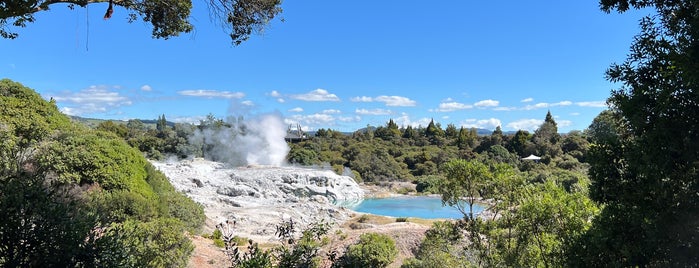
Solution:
(260, 197)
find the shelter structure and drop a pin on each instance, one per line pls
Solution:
(532, 157)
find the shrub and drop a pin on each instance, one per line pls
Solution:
(372, 250)
(401, 219)
(364, 218)
(158, 243)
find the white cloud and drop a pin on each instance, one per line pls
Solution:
(525, 124)
(277, 95)
(206, 93)
(527, 100)
(247, 103)
(542, 105)
(311, 119)
(575, 114)
(189, 119)
(564, 123)
(373, 112)
(332, 111)
(274, 94)
(452, 106)
(487, 103)
(316, 95)
(362, 99)
(393, 101)
(507, 109)
(355, 118)
(396, 101)
(296, 110)
(95, 99)
(490, 123)
(146, 88)
(596, 104)
(404, 121)
(562, 103)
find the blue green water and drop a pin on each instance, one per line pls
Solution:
(426, 207)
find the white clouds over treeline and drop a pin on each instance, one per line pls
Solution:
(322, 108)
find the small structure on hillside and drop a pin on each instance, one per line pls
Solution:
(295, 135)
(532, 157)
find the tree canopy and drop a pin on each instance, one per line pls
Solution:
(168, 18)
(645, 152)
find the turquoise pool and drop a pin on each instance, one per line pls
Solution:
(426, 207)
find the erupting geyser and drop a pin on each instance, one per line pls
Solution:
(257, 198)
(259, 141)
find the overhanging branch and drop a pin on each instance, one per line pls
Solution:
(44, 5)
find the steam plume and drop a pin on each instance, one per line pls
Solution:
(258, 140)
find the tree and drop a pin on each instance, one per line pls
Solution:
(546, 138)
(169, 18)
(647, 177)
(372, 250)
(463, 184)
(44, 226)
(521, 143)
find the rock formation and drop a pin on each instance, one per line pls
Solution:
(260, 197)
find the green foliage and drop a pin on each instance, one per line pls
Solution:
(27, 115)
(301, 252)
(83, 156)
(158, 243)
(427, 184)
(173, 203)
(118, 129)
(549, 222)
(463, 184)
(304, 251)
(364, 218)
(302, 156)
(48, 227)
(521, 143)
(372, 250)
(168, 19)
(439, 248)
(645, 152)
(401, 219)
(108, 207)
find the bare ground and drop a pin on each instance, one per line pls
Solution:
(407, 235)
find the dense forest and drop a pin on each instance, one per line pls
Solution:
(72, 196)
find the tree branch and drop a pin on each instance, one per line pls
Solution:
(82, 3)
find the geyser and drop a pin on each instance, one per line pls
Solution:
(240, 142)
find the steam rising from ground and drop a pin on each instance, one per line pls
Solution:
(240, 142)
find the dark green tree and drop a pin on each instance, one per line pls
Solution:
(169, 18)
(45, 226)
(546, 138)
(451, 132)
(647, 177)
(521, 143)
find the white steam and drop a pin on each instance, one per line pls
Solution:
(255, 141)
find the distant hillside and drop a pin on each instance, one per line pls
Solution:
(93, 122)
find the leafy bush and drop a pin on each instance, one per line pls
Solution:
(372, 250)
(47, 227)
(439, 248)
(158, 243)
(401, 219)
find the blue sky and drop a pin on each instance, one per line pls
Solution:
(341, 65)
